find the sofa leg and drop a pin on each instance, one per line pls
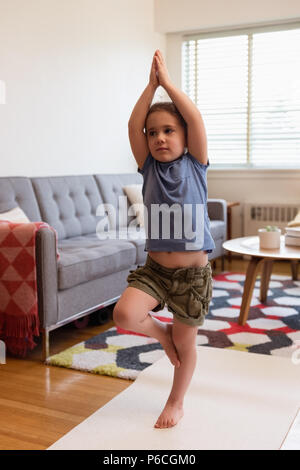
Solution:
(46, 345)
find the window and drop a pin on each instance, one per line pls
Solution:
(246, 84)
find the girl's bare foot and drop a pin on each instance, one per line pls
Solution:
(169, 346)
(170, 415)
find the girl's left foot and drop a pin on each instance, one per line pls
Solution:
(170, 415)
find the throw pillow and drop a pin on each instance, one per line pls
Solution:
(15, 215)
(135, 196)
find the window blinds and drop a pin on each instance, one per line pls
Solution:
(247, 87)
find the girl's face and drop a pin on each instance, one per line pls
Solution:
(165, 136)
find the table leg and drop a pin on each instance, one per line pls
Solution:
(265, 279)
(294, 267)
(229, 231)
(251, 274)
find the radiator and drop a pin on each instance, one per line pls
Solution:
(259, 215)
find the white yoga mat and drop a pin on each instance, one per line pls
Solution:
(236, 400)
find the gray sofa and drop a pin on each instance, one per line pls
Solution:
(91, 272)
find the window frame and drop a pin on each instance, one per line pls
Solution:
(249, 30)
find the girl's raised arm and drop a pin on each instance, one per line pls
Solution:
(136, 123)
(196, 134)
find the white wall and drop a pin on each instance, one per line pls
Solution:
(174, 18)
(73, 71)
(203, 15)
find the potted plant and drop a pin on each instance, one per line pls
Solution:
(269, 237)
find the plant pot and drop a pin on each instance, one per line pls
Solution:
(269, 240)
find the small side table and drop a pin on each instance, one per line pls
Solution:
(260, 258)
(230, 205)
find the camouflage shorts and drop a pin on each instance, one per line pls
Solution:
(187, 292)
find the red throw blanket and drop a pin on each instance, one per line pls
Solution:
(19, 320)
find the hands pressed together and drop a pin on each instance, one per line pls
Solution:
(159, 73)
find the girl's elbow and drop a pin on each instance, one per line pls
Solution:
(131, 125)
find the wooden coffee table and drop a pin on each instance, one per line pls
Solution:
(260, 258)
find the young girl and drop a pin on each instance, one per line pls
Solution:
(168, 141)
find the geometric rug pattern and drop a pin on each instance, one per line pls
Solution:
(272, 328)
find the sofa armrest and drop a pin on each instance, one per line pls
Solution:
(46, 268)
(217, 209)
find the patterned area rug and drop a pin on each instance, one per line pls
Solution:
(273, 328)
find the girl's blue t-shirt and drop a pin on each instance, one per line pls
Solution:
(175, 205)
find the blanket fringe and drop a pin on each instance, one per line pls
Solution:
(12, 331)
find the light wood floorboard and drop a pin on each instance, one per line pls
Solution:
(39, 404)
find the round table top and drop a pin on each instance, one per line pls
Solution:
(250, 246)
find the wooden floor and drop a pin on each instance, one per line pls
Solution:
(39, 404)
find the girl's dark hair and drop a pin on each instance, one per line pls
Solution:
(170, 107)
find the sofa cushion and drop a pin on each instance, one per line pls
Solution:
(85, 258)
(135, 196)
(68, 203)
(15, 215)
(136, 236)
(111, 187)
(18, 192)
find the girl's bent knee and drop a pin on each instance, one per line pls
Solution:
(120, 317)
